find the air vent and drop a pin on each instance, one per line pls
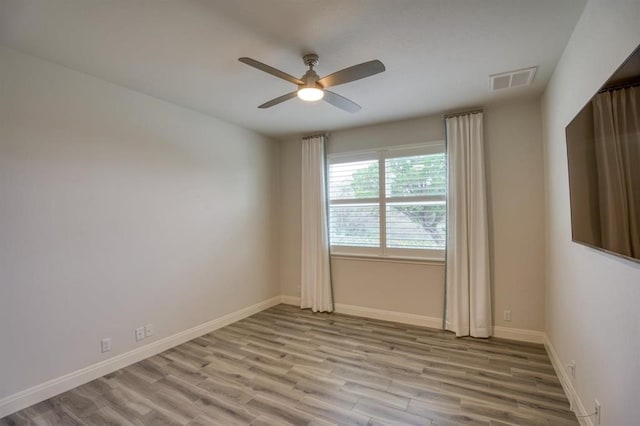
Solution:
(510, 79)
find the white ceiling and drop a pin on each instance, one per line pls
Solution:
(438, 53)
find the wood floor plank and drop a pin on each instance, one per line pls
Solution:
(446, 415)
(291, 366)
(332, 412)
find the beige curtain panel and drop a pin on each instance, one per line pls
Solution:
(467, 284)
(315, 285)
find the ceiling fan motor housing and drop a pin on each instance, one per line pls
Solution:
(310, 79)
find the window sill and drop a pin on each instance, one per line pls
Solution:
(388, 259)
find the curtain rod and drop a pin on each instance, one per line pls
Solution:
(619, 86)
(457, 114)
(326, 135)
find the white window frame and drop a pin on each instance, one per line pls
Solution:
(435, 147)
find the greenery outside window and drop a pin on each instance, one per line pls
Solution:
(389, 202)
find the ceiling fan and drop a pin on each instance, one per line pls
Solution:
(313, 88)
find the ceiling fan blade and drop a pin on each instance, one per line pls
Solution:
(279, 100)
(341, 102)
(270, 70)
(353, 73)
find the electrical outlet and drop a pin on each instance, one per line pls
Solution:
(105, 344)
(597, 411)
(572, 368)
(507, 315)
(139, 333)
(148, 330)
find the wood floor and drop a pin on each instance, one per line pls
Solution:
(287, 366)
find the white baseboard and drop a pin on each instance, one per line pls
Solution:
(423, 320)
(576, 403)
(520, 334)
(381, 314)
(35, 394)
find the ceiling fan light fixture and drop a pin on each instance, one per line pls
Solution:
(310, 94)
(312, 88)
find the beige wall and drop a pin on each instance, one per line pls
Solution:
(400, 286)
(516, 212)
(405, 132)
(592, 298)
(119, 210)
(514, 158)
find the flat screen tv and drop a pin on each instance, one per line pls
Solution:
(603, 151)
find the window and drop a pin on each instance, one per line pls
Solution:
(389, 202)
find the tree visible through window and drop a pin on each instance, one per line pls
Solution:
(354, 213)
(407, 212)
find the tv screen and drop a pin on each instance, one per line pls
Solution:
(603, 151)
